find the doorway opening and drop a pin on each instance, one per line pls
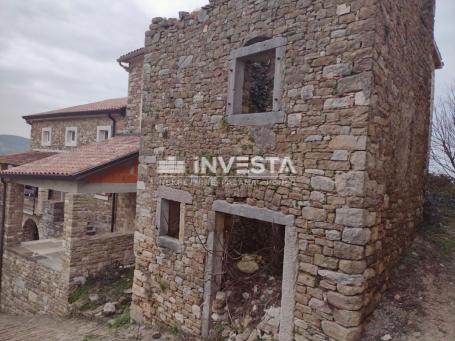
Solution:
(30, 231)
(247, 298)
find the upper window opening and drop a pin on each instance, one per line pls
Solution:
(255, 86)
(103, 133)
(46, 137)
(71, 137)
(259, 77)
(170, 218)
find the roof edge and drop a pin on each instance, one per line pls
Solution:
(130, 55)
(75, 177)
(29, 118)
(437, 56)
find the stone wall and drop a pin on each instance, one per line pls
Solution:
(353, 190)
(91, 256)
(13, 214)
(398, 133)
(1, 201)
(134, 108)
(51, 222)
(99, 213)
(30, 287)
(125, 212)
(88, 213)
(86, 130)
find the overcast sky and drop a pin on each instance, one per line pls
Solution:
(58, 53)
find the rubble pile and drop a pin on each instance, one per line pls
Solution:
(249, 308)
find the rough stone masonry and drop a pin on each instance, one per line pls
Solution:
(353, 114)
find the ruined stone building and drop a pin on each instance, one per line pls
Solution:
(340, 90)
(343, 89)
(70, 202)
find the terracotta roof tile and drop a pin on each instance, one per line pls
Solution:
(130, 55)
(23, 158)
(79, 161)
(113, 104)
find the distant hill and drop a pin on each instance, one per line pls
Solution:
(13, 144)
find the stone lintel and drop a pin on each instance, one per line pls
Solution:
(257, 119)
(173, 194)
(258, 47)
(252, 212)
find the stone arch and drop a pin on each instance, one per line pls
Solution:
(30, 231)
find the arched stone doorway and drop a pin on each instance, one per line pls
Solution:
(30, 231)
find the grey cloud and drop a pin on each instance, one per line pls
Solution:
(56, 53)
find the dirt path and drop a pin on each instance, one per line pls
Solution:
(41, 328)
(420, 304)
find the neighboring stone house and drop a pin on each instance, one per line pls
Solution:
(342, 88)
(70, 202)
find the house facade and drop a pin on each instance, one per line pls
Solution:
(69, 203)
(344, 90)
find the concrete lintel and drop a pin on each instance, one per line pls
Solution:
(251, 212)
(169, 243)
(173, 194)
(56, 185)
(257, 119)
(77, 187)
(106, 188)
(258, 47)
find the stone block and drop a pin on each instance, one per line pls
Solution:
(333, 235)
(340, 155)
(337, 70)
(353, 267)
(348, 251)
(348, 142)
(341, 278)
(314, 214)
(310, 268)
(356, 236)
(345, 302)
(338, 103)
(351, 183)
(348, 318)
(306, 279)
(360, 82)
(294, 120)
(319, 306)
(359, 160)
(352, 217)
(350, 290)
(326, 262)
(307, 91)
(340, 333)
(343, 9)
(322, 183)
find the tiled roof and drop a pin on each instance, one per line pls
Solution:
(23, 158)
(83, 160)
(130, 55)
(114, 104)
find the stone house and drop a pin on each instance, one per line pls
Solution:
(344, 90)
(69, 203)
